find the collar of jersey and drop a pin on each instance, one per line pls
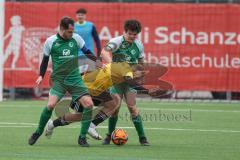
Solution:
(82, 24)
(58, 35)
(124, 40)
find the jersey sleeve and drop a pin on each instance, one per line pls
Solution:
(48, 45)
(79, 40)
(141, 49)
(114, 43)
(96, 39)
(47, 48)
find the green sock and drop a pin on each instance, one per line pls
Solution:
(112, 124)
(86, 120)
(137, 121)
(45, 116)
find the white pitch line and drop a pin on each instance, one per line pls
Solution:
(13, 123)
(30, 125)
(16, 126)
(151, 109)
(194, 110)
(18, 69)
(182, 129)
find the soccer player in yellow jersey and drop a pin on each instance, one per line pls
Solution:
(98, 82)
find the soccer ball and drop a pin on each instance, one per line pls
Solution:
(119, 137)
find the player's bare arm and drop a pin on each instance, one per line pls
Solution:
(106, 54)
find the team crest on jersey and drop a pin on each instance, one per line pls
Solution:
(70, 44)
(133, 52)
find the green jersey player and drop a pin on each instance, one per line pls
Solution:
(63, 49)
(125, 48)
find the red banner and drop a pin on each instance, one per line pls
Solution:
(198, 43)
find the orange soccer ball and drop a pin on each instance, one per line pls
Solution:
(119, 137)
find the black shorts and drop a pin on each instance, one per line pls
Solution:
(97, 101)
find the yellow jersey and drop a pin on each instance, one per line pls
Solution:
(101, 79)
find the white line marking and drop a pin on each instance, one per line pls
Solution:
(144, 109)
(16, 126)
(194, 110)
(13, 123)
(18, 69)
(30, 125)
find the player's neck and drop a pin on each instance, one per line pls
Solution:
(127, 40)
(81, 22)
(61, 35)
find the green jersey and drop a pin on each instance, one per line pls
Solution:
(123, 51)
(64, 55)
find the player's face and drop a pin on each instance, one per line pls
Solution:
(68, 33)
(130, 36)
(81, 17)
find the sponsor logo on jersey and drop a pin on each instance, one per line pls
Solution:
(66, 52)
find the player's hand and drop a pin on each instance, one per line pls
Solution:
(99, 63)
(156, 92)
(39, 80)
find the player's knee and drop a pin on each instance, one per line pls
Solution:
(117, 99)
(113, 106)
(131, 103)
(51, 105)
(88, 106)
(87, 102)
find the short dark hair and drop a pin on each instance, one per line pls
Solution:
(81, 10)
(132, 25)
(65, 21)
